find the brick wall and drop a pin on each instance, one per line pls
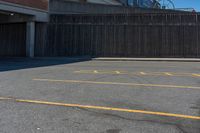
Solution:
(40, 4)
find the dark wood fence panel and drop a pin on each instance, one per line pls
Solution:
(41, 47)
(121, 35)
(190, 41)
(13, 40)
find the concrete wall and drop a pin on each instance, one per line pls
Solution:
(24, 13)
(36, 9)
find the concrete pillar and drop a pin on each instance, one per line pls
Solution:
(30, 39)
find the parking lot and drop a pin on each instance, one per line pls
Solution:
(85, 96)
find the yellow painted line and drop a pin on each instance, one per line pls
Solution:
(99, 72)
(118, 83)
(95, 71)
(140, 73)
(143, 73)
(107, 108)
(5, 98)
(77, 71)
(196, 75)
(169, 74)
(118, 72)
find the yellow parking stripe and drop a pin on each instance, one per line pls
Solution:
(107, 108)
(169, 74)
(5, 98)
(118, 83)
(142, 73)
(197, 75)
(95, 71)
(139, 73)
(118, 72)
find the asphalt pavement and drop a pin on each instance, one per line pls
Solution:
(58, 95)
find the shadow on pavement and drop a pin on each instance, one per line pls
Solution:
(8, 64)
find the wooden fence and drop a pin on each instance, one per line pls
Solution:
(120, 35)
(12, 39)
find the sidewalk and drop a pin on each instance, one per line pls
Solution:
(149, 59)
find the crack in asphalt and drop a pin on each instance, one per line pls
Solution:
(177, 126)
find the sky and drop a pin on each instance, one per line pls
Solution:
(187, 4)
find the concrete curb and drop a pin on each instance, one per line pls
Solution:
(86, 58)
(149, 59)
